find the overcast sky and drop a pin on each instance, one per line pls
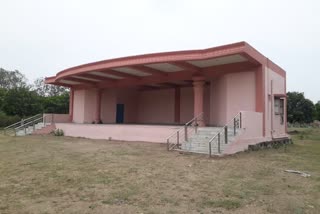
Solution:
(41, 37)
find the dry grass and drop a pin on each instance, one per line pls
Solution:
(72, 175)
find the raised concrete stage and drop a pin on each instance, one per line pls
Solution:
(125, 132)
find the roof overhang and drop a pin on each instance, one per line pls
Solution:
(163, 68)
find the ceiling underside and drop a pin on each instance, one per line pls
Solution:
(153, 75)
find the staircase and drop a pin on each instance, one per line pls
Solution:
(27, 126)
(205, 140)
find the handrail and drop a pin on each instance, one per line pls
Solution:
(225, 129)
(23, 120)
(182, 130)
(225, 126)
(193, 119)
(26, 124)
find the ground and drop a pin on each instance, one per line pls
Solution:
(47, 174)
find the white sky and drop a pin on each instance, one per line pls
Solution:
(41, 37)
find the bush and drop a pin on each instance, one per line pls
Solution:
(6, 120)
(58, 132)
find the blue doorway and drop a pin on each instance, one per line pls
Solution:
(120, 113)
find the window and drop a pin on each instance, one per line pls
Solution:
(279, 107)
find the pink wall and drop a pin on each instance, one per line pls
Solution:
(90, 105)
(78, 106)
(230, 94)
(186, 104)
(218, 103)
(148, 133)
(108, 106)
(56, 118)
(275, 84)
(240, 93)
(156, 106)
(252, 132)
(128, 97)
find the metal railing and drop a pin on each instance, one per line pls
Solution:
(23, 124)
(230, 129)
(175, 139)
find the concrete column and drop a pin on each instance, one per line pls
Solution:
(71, 98)
(98, 106)
(177, 105)
(198, 91)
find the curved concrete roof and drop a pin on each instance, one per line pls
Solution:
(162, 67)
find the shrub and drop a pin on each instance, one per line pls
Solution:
(6, 120)
(58, 132)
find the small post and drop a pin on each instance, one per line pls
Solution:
(178, 139)
(210, 149)
(196, 125)
(219, 150)
(234, 126)
(240, 118)
(168, 144)
(186, 133)
(226, 134)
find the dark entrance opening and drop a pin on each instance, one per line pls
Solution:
(120, 113)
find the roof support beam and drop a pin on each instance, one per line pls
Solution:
(148, 70)
(120, 74)
(186, 66)
(85, 82)
(99, 78)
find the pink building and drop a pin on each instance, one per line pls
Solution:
(151, 97)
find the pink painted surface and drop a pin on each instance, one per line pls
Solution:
(56, 118)
(90, 105)
(198, 90)
(252, 133)
(240, 93)
(186, 104)
(45, 130)
(218, 101)
(275, 85)
(108, 106)
(148, 133)
(156, 106)
(128, 97)
(78, 106)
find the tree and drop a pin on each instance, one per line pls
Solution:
(299, 108)
(12, 79)
(22, 102)
(56, 104)
(317, 111)
(45, 90)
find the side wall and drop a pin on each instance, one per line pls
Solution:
(231, 94)
(275, 84)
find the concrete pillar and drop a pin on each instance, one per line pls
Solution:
(177, 105)
(98, 106)
(198, 91)
(71, 98)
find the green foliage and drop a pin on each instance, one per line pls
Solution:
(317, 111)
(19, 99)
(12, 79)
(56, 104)
(22, 102)
(6, 120)
(47, 90)
(299, 108)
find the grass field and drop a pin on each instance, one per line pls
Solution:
(46, 174)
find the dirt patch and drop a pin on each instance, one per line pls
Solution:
(46, 174)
